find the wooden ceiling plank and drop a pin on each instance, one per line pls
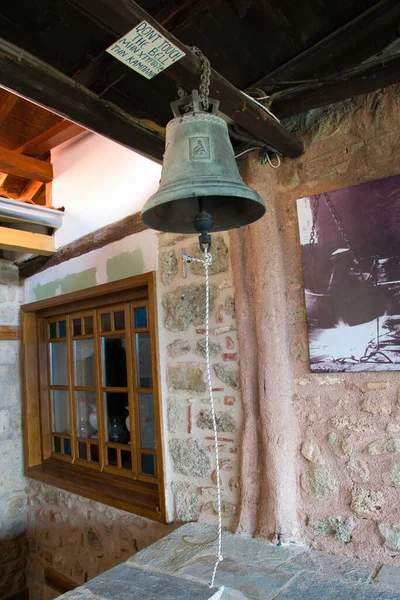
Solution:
(341, 41)
(25, 166)
(360, 81)
(49, 139)
(7, 106)
(123, 16)
(26, 241)
(36, 80)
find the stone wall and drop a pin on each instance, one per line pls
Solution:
(347, 441)
(79, 538)
(12, 495)
(190, 437)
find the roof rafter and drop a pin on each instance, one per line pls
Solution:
(351, 35)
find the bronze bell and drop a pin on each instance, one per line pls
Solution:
(200, 175)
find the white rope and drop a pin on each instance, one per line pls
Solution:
(207, 263)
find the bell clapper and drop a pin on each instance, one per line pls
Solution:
(203, 223)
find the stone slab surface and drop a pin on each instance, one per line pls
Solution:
(180, 565)
(126, 581)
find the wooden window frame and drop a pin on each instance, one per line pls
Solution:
(144, 497)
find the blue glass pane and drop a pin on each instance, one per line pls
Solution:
(140, 317)
(62, 329)
(148, 464)
(67, 447)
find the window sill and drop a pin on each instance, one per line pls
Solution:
(132, 496)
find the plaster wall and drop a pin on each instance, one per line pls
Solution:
(12, 484)
(97, 182)
(345, 450)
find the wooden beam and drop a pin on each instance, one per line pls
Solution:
(25, 166)
(8, 332)
(92, 241)
(31, 190)
(363, 80)
(341, 41)
(49, 139)
(26, 241)
(121, 16)
(33, 79)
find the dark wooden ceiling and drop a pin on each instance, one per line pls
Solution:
(300, 54)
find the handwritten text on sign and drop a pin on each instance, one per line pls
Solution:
(145, 50)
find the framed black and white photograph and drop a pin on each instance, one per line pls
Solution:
(350, 242)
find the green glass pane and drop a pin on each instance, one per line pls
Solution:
(140, 317)
(57, 444)
(106, 322)
(62, 329)
(148, 464)
(88, 325)
(94, 453)
(53, 330)
(82, 450)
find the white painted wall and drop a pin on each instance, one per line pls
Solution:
(98, 182)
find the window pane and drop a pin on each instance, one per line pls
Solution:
(58, 363)
(117, 417)
(88, 325)
(112, 457)
(94, 453)
(84, 363)
(67, 447)
(126, 459)
(62, 329)
(143, 360)
(60, 404)
(119, 320)
(86, 414)
(57, 444)
(82, 450)
(106, 322)
(148, 464)
(140, 317)
(114, 362)
(53, 330)
(147, 424)
(77, 326)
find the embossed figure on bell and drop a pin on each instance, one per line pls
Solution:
(200, 175)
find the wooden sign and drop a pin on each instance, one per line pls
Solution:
(145, 50)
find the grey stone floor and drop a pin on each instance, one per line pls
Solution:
(179, 566)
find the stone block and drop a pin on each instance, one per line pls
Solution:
(366, 502)
(186, 377)
(389, 575)
(186, 501)
(11, 479)
(224, 421)
(383, 446)
(312, 452)
(340, 527)
(220, 257)
(10, 454)
(214, 348)
(178, 348)
(393, 475)
(358, 469)
(228, 376)
(229, 306)
(186, 305)
(168, 265)
(189, 457)
(174, 413)
(8, 314)
(319, 482)
(229, 400)
(16, 506)
(376, 406)
(10, 395)
(391, 536)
